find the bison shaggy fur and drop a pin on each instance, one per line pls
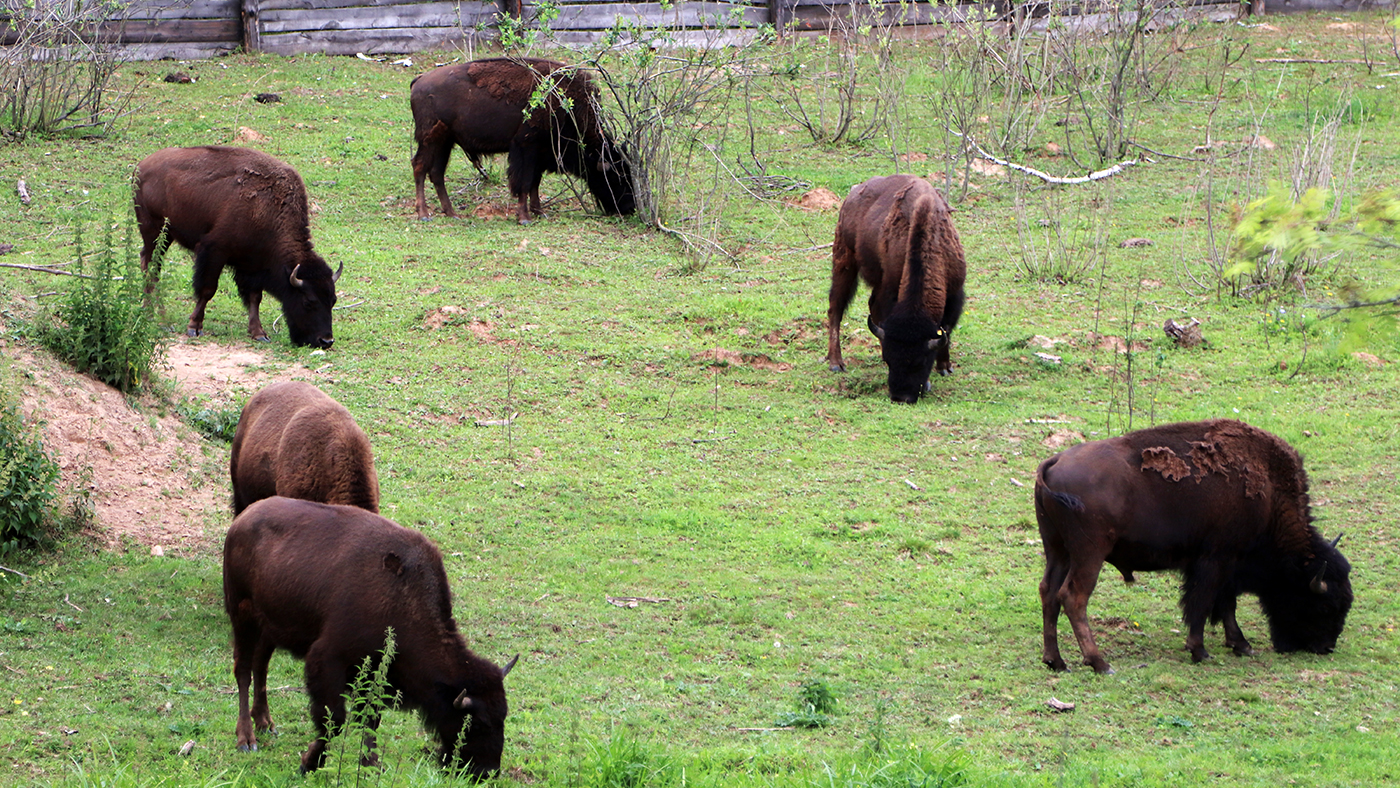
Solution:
(295, 441)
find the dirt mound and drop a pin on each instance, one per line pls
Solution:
(818, 199)
(152, 479)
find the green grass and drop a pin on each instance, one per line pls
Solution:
(799, 526)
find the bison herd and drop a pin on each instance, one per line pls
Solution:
(311, 568)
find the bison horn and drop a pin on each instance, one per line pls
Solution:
(1318, 585)
(1333, 545)
(874, 329)
(293, 278)
(335, 277)
(463, 701)
(506, 670)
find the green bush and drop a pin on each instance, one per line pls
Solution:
(106, 327)
(28, 483)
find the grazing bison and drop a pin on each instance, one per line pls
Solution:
(1224, 502)
(483, 106)
(243, 209)
(896, 234)
(293, 440)
(325, 582)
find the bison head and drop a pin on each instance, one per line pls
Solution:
(1307, 606)
(472, 735)
(609, 177)
(308, 302)
(909, 344)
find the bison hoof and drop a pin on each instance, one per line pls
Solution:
(263, 338)
(247, 748)
(945, 372)
(837, 367)
(1244, 651)
(1199, 656)
(193, 332)
(1058, 665)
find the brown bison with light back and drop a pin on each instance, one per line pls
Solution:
(325, 583)
(293, 440)
(1221, 501)
(897, 234)
(242, 209)
(482, 106)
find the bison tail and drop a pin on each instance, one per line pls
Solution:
(1071, 502)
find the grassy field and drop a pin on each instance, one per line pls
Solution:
(678, 436)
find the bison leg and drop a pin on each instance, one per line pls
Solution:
(1200, 595)
(325, 684)
(151, 227)
(430, 161)
(1055, 571)
(246, 639)
(1074, 596)
(844, 280)
(262, 655)
(208, 265)
(252, 301)
(1234, 636)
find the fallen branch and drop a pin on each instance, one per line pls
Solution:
(15, 571)
(1047, 177)
(42, 269)
(1318, 61)
(22, 191)
(788, 728)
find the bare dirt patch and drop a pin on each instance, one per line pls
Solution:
(151, 478)
(735, 358)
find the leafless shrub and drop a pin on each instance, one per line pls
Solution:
(57, 59)
(1062, 233)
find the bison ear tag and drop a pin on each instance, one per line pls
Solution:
(393, 563)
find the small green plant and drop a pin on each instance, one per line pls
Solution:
(211, 421)
(816, 704)
(28, 483)
(106, 327)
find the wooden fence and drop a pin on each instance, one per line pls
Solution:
(185, 29)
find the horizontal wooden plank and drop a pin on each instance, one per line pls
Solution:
(377, 42)
(426, 15)
(531, 4)
(691, 39)
(192, 51)
(602, 16)
(152, 31)
(821, 18)
(476, 6)
(183, 9)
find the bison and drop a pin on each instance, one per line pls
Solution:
(895, 233)
(243, 209)
(485, 106)
(293, 440)
(1221, 501)
(325, 582)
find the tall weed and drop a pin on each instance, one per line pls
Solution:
(105, 327)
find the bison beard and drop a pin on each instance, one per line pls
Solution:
(481, 106)
(246, 210)
(325, 583)
(1221, 501)
(896, 234)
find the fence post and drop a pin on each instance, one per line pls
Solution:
(780, 14)
(252, 37)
